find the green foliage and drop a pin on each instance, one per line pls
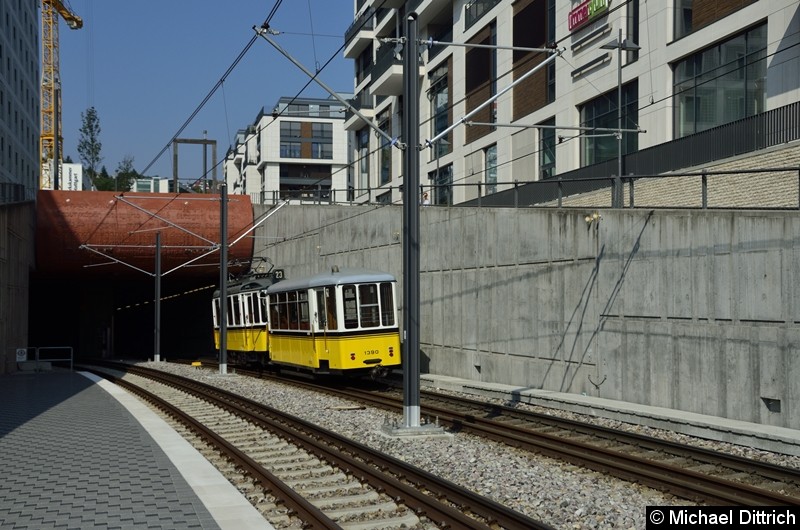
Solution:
(126, 174)
(103, 181)
(89, 145)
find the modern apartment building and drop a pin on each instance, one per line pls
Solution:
(19, 101)
(296, 151)
(631, 76)
(19, 170)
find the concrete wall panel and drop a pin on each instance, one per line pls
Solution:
(694, 310)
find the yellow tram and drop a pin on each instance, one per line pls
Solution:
(343, 322)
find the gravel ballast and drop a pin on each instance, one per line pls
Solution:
(554, 492)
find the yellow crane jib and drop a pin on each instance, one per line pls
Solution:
(51, 96)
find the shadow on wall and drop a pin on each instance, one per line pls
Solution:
(578, 318)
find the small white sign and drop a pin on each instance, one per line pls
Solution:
(22, 355)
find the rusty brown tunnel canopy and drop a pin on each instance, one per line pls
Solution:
(114, 234)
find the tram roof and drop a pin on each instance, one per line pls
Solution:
(332, 278)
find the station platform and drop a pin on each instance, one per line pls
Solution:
(79, 452)
(756, 435)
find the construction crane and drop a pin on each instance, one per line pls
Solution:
(51, 93)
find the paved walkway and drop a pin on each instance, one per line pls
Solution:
(80, 453)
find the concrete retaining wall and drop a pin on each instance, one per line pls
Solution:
(16, 261)
(687, 309)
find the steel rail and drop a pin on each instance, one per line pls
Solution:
(373, 461)
(300, 506)
(678, 481)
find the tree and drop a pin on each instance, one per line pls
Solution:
(126, 174)
(89, 144)
(102, 181)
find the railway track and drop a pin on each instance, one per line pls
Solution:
(688, 472)
(299, 474)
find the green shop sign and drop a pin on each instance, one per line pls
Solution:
(586, 12)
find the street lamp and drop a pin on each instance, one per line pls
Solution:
(619, 44)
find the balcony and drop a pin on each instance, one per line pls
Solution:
(475, 10)
(427, 10)
(392, 4)
(363, 103)
(387, 74)
(360, 33)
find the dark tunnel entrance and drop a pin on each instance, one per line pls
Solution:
(115, 318)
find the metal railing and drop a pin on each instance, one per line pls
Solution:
(363, 23)
(40, 355)
(589, 192)
(602, 191)
(474, 11)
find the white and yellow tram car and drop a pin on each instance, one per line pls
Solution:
(344, 321)
(247, 315)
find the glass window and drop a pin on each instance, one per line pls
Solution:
(547, 149)
(291, 309)
(490, 169)
(387, 304)
(368, 298)
(350, 306)
(274, 313)
(290, 149)
(442, 185)
(602, 112)
(321, 150)
(322, 130)
(439, 95)
(249, 309)
(363, 159)
(330, 297)
(721, 84)
(216, 312)
(262, 305)
(386, 152)
(683, 17)
(304, 315)
(290, 129)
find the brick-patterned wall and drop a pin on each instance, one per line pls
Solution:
(744, 190)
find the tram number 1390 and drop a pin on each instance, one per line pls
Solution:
(371, 352)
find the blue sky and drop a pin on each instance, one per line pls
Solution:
(146, 65)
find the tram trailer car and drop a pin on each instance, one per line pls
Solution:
(247, 317)
(341, 322)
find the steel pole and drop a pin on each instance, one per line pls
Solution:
(618, 180)
(223, 278)
(411, 406)
(157, 333)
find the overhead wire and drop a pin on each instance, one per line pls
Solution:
(213, 90)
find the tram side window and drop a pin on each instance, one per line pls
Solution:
(387, 304)
(368, 296)
(262, 307)
(294, 317)
(249, 310)
(216, 312)
(275, 312)
(350, 306)
(330, 294)
(231, 305)
(237, 310)
(302, 308)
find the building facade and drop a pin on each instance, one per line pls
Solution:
(19, 101)
(19, 170)
(298, 152)
(630, 75)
